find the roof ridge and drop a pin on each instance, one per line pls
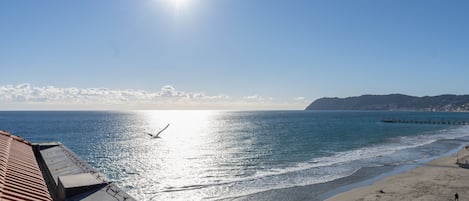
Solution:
(14, 137)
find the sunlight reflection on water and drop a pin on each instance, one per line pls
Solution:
(182, 159)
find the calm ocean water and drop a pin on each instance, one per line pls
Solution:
(211, 155)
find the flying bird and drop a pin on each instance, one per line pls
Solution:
(157, 134)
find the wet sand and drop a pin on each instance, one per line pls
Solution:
(439, 180)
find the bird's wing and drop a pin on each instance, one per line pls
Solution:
(161, 130)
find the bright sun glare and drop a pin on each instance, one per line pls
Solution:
(179, 4)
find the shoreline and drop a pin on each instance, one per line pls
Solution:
(439, 179)
(361, 178)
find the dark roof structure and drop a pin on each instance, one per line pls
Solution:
(71, 178)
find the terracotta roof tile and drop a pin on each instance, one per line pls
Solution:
(20, 176)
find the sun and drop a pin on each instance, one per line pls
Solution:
(179, 4)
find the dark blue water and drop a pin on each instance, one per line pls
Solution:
(225, 154)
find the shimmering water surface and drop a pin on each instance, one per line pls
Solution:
(225, 154)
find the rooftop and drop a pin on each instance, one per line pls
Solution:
(50, 171)
(20, 175)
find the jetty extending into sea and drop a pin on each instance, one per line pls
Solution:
(405, 121)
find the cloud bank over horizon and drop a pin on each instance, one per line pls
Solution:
(27, 97)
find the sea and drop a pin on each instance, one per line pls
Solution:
(243, 155)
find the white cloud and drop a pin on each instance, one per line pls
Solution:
(300, 98)
(24, 93)
(254, 98)
(50, 97)
(168, 88)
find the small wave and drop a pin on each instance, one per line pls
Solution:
(183, 188)
(339, 162)
(381, 150)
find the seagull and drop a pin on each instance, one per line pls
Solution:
(157, 134)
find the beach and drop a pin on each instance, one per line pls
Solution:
(439, 180)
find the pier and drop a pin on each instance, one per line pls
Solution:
(447, 122)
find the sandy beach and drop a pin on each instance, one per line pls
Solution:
(439, 180)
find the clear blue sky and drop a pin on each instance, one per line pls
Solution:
(278, 53)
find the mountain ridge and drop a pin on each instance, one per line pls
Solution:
(445, 102)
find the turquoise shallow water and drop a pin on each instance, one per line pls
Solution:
(236, 154)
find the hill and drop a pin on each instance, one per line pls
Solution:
(394, 102)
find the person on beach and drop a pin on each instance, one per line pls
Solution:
(456, 197)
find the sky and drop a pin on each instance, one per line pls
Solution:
(227, 54)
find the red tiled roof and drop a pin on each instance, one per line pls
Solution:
(20, 176)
